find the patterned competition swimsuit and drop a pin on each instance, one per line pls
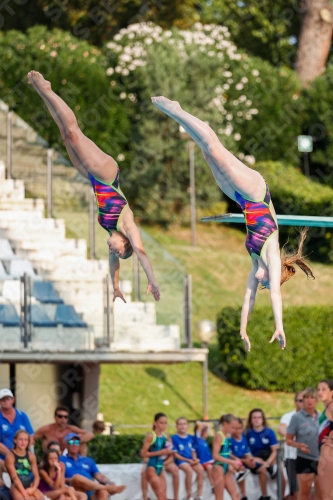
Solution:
(111, 202)
(260, 224)
(157, 444)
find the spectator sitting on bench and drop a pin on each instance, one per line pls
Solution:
(60, 428)
(81, 471)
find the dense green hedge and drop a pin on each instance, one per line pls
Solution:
(306, 359)
(116, 449)
(294, 194)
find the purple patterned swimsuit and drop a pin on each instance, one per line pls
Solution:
(110, 202)
(259, 220)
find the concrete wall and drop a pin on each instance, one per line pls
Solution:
(37, 391)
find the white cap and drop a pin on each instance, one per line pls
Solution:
(6, 392)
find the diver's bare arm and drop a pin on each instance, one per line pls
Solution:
(248, 303)
(134, 236)
(274, 266)
(114, 271)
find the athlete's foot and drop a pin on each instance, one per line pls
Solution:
(112, 489)
(171, 108)
(38, 82)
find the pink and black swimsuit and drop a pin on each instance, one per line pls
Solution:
(111, 202)
(260, 223)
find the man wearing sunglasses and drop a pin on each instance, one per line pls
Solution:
(59, 430)
(290, 454)
(82, 472)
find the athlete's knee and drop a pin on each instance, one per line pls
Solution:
(199, 470)
(70, 132)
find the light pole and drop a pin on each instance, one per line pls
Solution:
(191, 145)
(305, 146)
(206, 330)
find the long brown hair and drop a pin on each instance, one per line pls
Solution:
(249, 424)
(289, 259)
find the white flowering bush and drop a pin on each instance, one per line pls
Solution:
(241, 97)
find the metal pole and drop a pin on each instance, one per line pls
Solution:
(25, 309)
(92, 204)
(188, 310)
(9, 144)
(205, 383)
(191, 145)
(108, 310)
(136, 278)
(306, 165)
(279, 473)
(49, 183)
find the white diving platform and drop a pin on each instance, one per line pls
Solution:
(283, 220)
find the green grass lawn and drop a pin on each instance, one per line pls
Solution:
(132, 394)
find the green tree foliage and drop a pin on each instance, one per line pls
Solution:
(264, 28)
(94, 21)
(306, 359)
(77, 73)
(204, 71)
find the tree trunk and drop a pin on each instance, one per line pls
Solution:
(315, 39)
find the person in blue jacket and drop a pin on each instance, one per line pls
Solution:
(202, 449)
(186, 457)
(263, 445)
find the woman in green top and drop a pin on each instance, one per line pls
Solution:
(225, 465)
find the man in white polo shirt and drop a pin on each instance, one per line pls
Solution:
(290, 454)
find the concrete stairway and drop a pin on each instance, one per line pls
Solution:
(55, 258)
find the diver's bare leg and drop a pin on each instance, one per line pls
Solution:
(85, 155)
(225, 166)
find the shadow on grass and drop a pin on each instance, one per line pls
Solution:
(161, 375)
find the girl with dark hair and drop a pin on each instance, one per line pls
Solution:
(325, 441)
(248, 188)
(225, 466)
(156, 448)
(263, 446)
(114, 213)
(52, 478)
(22, 468)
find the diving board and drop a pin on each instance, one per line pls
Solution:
(283, 220)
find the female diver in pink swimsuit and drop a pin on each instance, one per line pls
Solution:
(248, 188)
(114, 214)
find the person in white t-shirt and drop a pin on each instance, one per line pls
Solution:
(290, 454)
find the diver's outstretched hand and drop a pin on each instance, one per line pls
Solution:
(117, 293)
(153, 288)
(246, 339)
(280, 337)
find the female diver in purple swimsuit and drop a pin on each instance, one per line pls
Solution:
(250, 191)
(114, 214)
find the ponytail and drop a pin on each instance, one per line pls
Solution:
(288, 260)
